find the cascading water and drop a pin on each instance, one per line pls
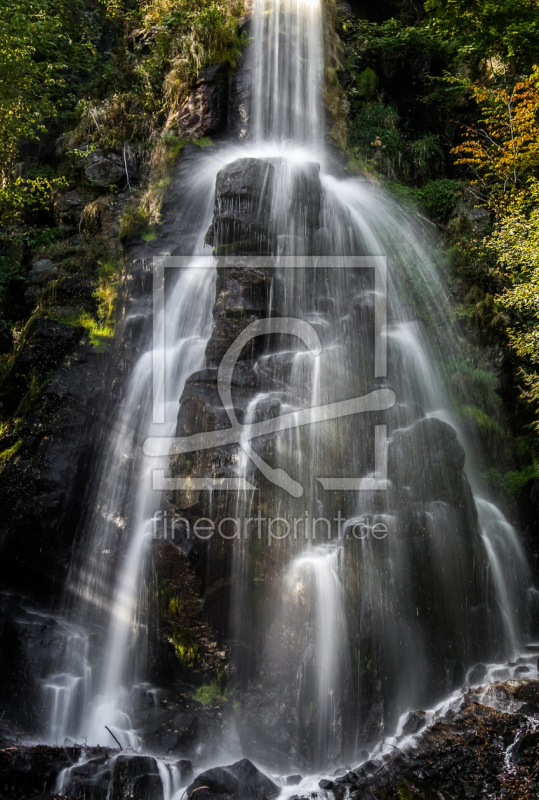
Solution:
(335, 630)
(103, 660)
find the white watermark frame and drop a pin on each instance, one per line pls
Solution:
(377, 400)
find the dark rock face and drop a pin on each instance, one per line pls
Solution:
(42, 485)
(107, 169)
(137, 777)
(204, 113)
(185, 771)
(243, 198)
(18, 693)
(477, 675)
(478, 752)
(248, 197)
(239, 781)
(95, 773)
(428, 458)
(49, 344)
(24, 772)
(68, 208)
(43, 270)
(241, 298)
(414, 723)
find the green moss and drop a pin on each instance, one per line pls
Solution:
(5, 455)
(149, 234)
(211, 693)
(405, 792)
(484, 422)
(514, 482)
(134, 219)
(186, 646)
(169, 603)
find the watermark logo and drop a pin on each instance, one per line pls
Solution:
(272, 529)
(242, 435)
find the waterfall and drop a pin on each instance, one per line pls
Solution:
(378, 599)
(288, 65)
(103, 660)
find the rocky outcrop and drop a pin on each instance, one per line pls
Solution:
(474, 751)
(42, 484)
(239, 781)
(106, 170)
(95, 773)
(68, 209)
(204, 112)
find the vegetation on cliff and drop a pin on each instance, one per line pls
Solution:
(444, 105)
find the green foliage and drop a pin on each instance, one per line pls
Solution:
(186, 646)
(366, 83)
(482, 29)
(169, 603)
(439, 198)
(514, 482)
(32, 43)
(211, 693)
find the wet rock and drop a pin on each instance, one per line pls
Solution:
(41, 492)
(239, 102)
(414, 723)
(349, 778)
(243, 198)
(529, 710)
(465, 756)
(326, 785)
(370, 767)
(522, 671)
(27, 771)
(292, 780)
(477, 675)
(103, 216)
(527, 691)
(19, 695)
(185, 771)
(92, 778)
(240, 781)
(242, 288)
(427, 457)
(136, 777)
(179, 733)
(204, 113)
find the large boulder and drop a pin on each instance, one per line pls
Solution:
(428, 458)
(239, 781)
(249, 215)
(243, 200)
(104, 169)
